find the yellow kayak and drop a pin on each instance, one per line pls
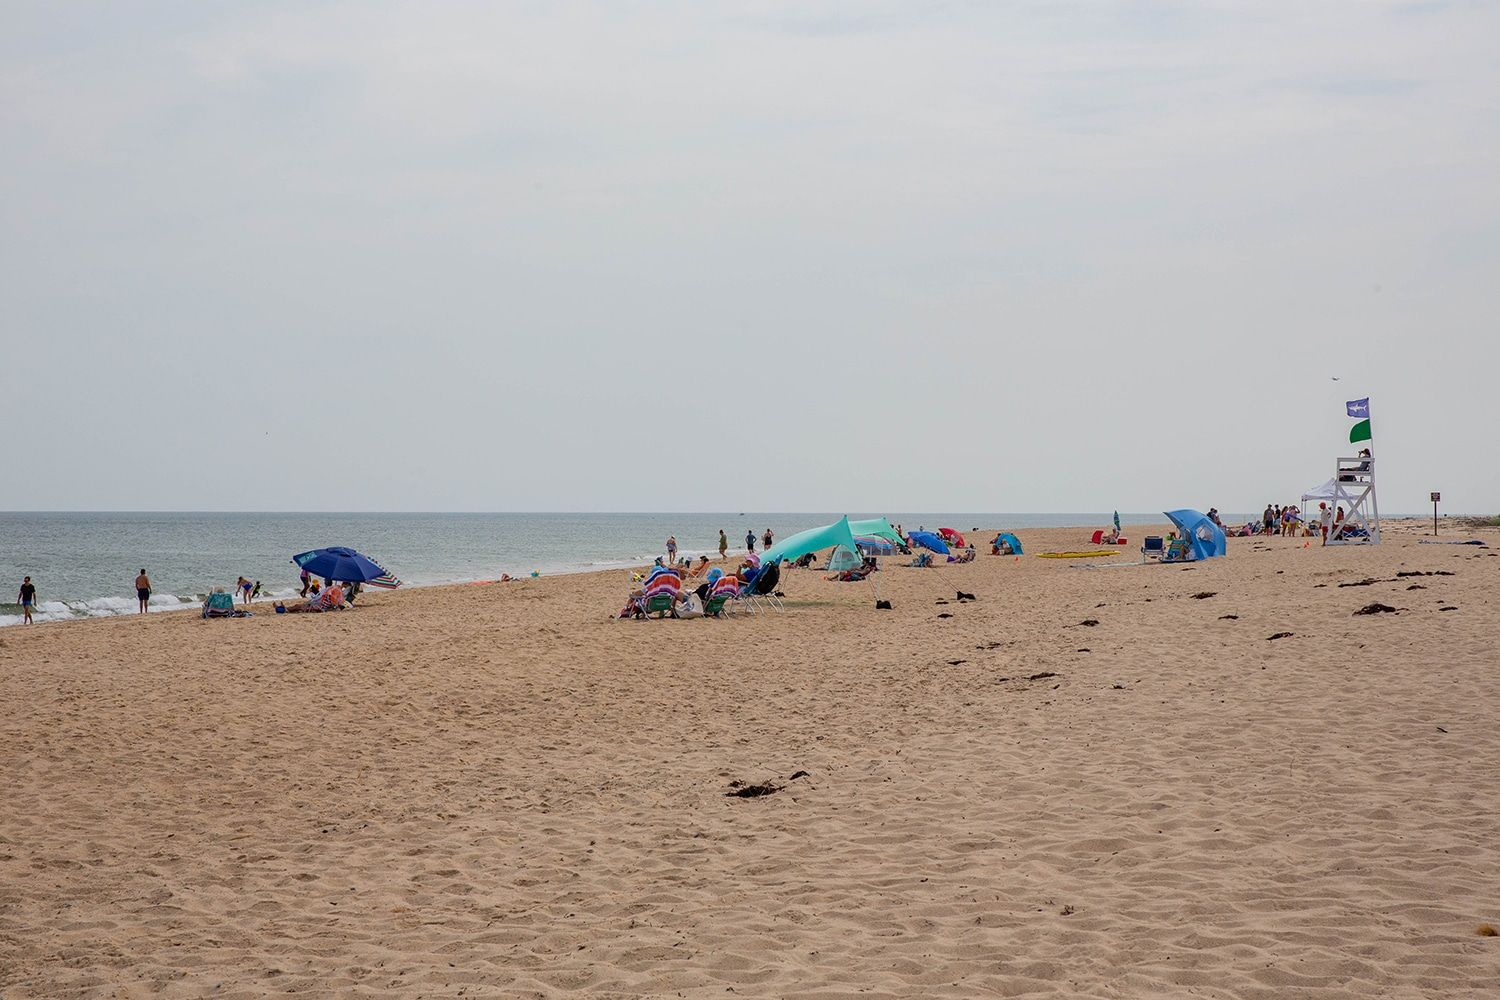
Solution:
(1077, 555)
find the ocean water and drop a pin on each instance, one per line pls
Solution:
(84, 564)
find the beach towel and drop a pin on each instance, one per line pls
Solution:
(1076, 555)
(221, 605)
(667, 585)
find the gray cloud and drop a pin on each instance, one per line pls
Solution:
(558, 256)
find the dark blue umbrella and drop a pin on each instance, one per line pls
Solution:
(346, 566)
(928, 540)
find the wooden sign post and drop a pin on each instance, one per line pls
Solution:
(1435, 498)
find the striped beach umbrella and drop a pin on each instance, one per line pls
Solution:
(346, 566)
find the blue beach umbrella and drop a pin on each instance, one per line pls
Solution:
(928, 540)
(346, 566)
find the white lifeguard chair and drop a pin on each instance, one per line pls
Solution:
(1354, 490)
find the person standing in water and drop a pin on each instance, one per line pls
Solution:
(671, 550)
(750, 540)
(143, 589)
(27, 597)
(766, 540)
(723, 545)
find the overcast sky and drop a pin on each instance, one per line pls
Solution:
(718, 256)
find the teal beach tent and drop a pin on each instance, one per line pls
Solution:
(812, 540)
(843, 559)
(877, 526)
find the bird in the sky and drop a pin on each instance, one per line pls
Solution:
(1335, 378)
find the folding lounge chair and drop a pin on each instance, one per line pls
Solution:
(764, 588)
(746, 596)
(1178, 550)
(219, 605)
(724, 593)
(660, 605)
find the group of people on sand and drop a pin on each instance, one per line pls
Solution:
(333, 597)
(27, 596)
(767, 539)
(1289, 522)
(316, 596)
(330, 595)
(691, 586)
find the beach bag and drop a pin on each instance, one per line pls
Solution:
(690, 607)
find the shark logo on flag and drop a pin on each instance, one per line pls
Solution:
(1358, 407)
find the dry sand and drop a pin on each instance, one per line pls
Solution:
(486, 791)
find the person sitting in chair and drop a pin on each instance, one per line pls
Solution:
(331, 599)
(1176, 550)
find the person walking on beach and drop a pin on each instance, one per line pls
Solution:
(750, 540)
(671, 550)
(27, 597)
(143, 589)
(1325, 520)
(723, 545)
(766, 539)
(306, 582)
(243, 587)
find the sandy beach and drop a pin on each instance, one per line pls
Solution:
(498, 791)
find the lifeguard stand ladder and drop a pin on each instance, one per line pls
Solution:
(1354, 490)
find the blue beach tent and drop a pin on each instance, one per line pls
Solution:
(1015, 543)
(1205, 539)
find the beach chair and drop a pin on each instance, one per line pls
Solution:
(763, 590)
(1098, 537)
(660, 605)
(1153, 547)
(219, 605)
(725, 590)
(714, 608)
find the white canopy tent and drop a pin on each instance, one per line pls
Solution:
(1323, 491)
